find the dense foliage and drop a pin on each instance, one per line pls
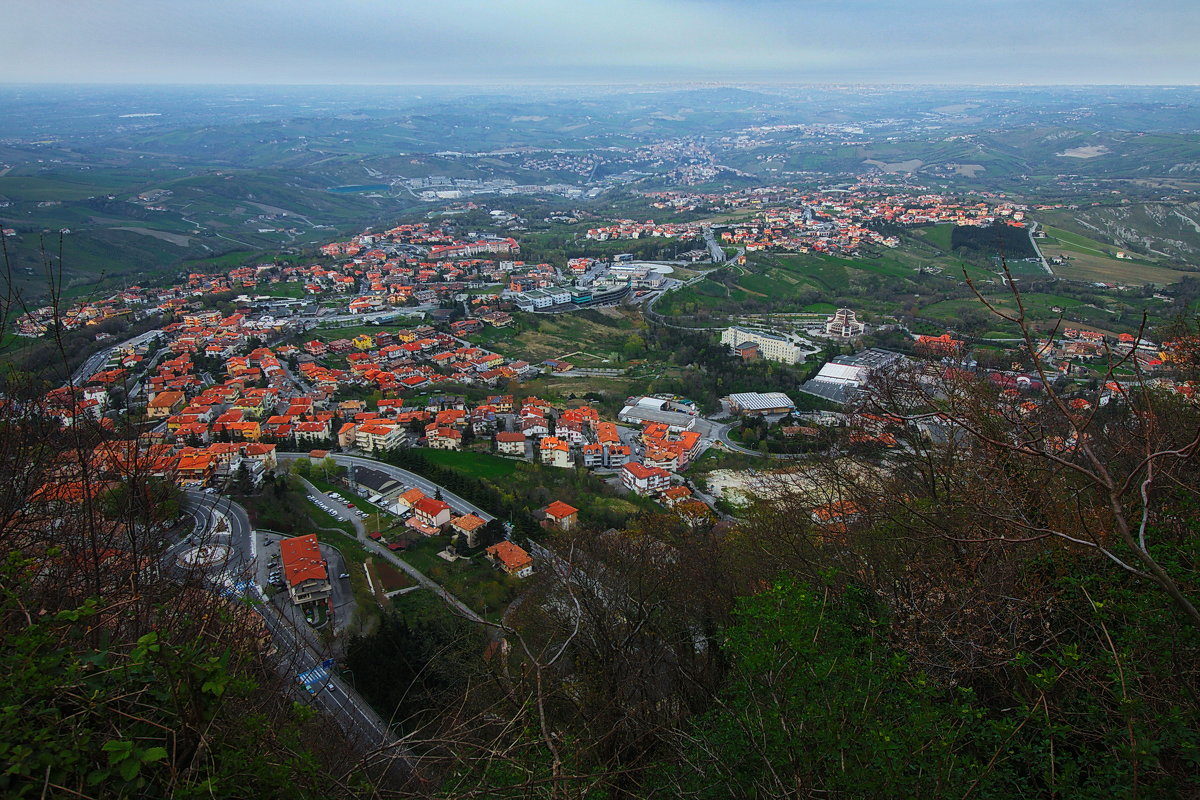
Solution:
(91, 710)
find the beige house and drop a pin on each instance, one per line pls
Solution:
(510, 444)
(469, 526)
(555, 452)
(165, 404)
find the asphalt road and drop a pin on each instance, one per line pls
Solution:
(297, 647)
(97, 360)
(404, 476)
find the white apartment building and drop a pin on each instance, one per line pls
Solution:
(775, 346)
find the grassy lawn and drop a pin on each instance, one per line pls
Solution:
(714, 459)
(349, 332)
(422, 553)
(481, 465)
(294, 289)
(474, 581)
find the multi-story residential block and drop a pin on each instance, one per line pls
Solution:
(304, 569)
(644, 480)
(555, 452)
(511, 444)
(786, 348)
(375, 435)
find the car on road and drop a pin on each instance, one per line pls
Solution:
(344, 575)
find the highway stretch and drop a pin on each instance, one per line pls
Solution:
(297, 648)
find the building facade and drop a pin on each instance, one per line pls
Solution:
(774, 346)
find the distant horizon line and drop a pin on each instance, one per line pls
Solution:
(606, 84)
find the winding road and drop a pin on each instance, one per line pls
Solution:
(297, 647)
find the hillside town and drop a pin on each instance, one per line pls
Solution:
(223, 400)
(418, 267)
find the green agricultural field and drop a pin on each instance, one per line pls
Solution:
(937, 235)
(825, 272)
(63, 187)
(1106, 269)
(1066, 240)
(1089, 260)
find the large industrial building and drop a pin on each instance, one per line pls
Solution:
(655, 409)
(760, 403)
(844, 377)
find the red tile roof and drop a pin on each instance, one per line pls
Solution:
(560, 510)
(302, 561)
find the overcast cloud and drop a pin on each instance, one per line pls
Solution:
(599, 41)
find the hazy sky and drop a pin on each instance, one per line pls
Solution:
(600, 41)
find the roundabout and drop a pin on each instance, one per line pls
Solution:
(206, 555)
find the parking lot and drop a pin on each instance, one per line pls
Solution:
(270, 573)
